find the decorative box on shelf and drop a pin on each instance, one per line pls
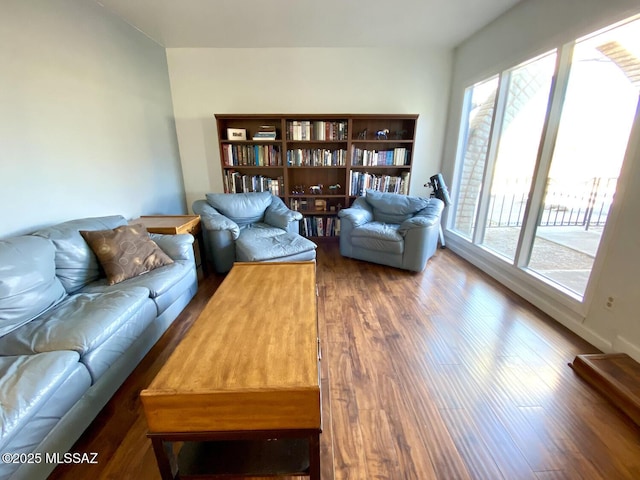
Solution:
(236, 134)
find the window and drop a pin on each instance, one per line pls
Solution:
(478, 119)
(509, 175)
(538, 167)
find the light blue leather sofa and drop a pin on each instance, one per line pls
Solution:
(250, 227)
(68, 340)
(397, 230)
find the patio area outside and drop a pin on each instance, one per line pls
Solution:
(563, 254)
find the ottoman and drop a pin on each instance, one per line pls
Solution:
(285, 247)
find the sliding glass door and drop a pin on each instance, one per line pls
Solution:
(597, 115)
(478, 115)
(522, 113)
(541, 149)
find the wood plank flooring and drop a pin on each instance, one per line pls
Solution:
(443, 374)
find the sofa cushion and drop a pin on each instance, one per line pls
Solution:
(392, 207)
(242, 208)
(164, 284)
(28, 282)
(39, 418)
(76, 265)
(378, 236)
(125, 252)
(29, 382)
(102, 356)
(80, 323)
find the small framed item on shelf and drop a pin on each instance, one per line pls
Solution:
(236, 133)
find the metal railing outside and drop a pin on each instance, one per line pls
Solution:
(585, 203)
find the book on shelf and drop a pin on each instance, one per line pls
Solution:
(251, 155)
(265, 132)
(318, 130)
(371, 158)
(264, 136)
(318, 157)
(236, 182)
(299, 130)
(329, 229)
(311, 226)
(361, 181)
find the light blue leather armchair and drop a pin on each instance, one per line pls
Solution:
(250, 227)
(390, 229)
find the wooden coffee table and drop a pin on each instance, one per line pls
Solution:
(244, 378)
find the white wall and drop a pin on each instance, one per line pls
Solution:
(87, 125)
(303, 80)
(530, 28)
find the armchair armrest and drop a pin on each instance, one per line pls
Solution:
(279, 215)
(427, 217)
(213, 220)
(358, 214)
(419, 221)
(178, 247)
(433, 209)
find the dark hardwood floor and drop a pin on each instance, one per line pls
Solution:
(439, 375)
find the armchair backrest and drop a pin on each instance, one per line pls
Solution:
(242, 208)
(394, 208)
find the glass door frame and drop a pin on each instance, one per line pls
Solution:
(535, 205)
(490, 161)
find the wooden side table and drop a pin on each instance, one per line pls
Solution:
(173, 225)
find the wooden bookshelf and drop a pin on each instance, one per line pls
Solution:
(340, 154)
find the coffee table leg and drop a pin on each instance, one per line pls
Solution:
(166, 459)
(314, 457)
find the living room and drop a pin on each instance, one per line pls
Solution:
(100, 119)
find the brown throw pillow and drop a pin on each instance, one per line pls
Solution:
(125, 251)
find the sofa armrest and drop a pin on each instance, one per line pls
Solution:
(358, 214)
(178, 247)
(279, 215)
(212, 220)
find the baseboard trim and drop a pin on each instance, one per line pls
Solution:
(621, 344)
(567, 312)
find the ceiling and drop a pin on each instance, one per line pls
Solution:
(307, 23)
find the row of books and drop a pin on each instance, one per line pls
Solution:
(250, 155)
(320, 227)
(319, 157)
(361, 181)
(397, 156)
(316, 130)
(235, 182)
